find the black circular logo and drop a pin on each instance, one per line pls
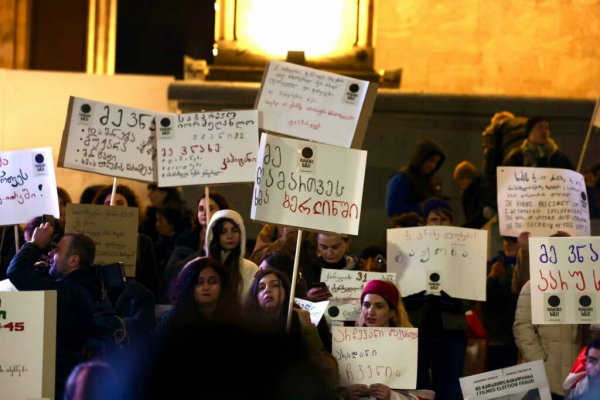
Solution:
(583, 196)
(307, 152)
(165, 122)
(354, 88)
(585, 301)
(333, 311)
(435, 277)
(39, 158)
(85, 108)
(554, 301)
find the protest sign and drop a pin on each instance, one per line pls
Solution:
(27, 186)
(565, 280)
(207, 148)
(346, 287)
(27, 344)
(113, 229)
(316, 309)
(524, 381)
(308, 185)
(542, 201)
(109, 139)
(436, 258)
(315, 105)
(376, 355)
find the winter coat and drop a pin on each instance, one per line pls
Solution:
(247, 268)
(555, 159)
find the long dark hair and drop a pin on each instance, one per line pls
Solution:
(181, 293)
(232, 262)
(125, 191)
(252, 311)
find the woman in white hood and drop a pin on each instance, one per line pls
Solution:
(226, 242)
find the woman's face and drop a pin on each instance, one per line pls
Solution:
(120, 200)
(163, 227)
(202, 211)
(270, 294)
(376, 312)
(229, 238)
(208, 288)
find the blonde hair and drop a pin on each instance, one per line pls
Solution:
(400, 318)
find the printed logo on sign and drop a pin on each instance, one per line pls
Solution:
(39, 164)
(352, 92)
(307, 159)
(585, 307)
(166, 128)
(584, 204)
(434, 281)
(554, 307)
(85, 113)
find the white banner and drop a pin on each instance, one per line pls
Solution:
(521, 382)
(207, 148)
(436, 258)
(565, 272)
(308, 185)
(346, 288)
(542, 201)
(27, 344)
(315, 105)
(316, 309)
(27, 185)
(376, 355)
(109, 139)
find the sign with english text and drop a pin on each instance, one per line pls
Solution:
(436, 258)
(542, 201)
(27, 185)
(207, 148)
(565, 276)
(376, 355)
(315, 105)
(346, 287)
(308, 185)
(27, 344)
(109, 139)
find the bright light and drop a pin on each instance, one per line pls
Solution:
(317, 27)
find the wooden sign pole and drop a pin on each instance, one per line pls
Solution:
(294, 279)
(114, 192)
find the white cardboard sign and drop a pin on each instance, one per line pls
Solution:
(315, 105)
(109, 139)
(27, 344)
(524, 381)
(27, 185)
(565, 272)
(207, 148)
(542, 201)
(346, 288)
(436, 258)
(316, 309)
(376, 355)
(308, 185)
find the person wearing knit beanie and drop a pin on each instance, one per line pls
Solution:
(381, 306)
(437, 212)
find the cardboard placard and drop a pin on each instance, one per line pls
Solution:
(109, 139)
(346, 288)
(542, 201)
(27, 344)
(308, 185)
(113, 229)
(207, 148)
(27, 185)
(316, 309)
(376, 355)
(565, 272)
(315, 105)
(436, 258)
(524, 381)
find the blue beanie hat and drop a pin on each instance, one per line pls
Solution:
(434, 203)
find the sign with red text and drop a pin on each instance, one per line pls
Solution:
(522, 382)
(207, 148)
(346, 287)
(565, 276)
(315, 105)
(109, 139)
(27, 344)
(542, 201)
(436, 258)
(27, 185)
(376, 355)
(308, 185)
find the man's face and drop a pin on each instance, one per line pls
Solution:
(60, 263)
(435, 219)
(592, 366)
(540, 133)
(430, 164)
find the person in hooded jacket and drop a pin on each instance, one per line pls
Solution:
(416, 182)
